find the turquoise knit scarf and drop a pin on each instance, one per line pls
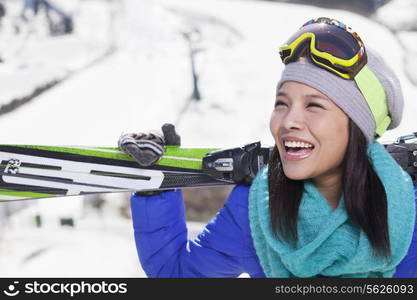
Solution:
(328, 242)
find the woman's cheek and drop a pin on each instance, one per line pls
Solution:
(273, 124)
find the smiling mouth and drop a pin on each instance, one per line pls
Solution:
(297, 153)
(297, 149)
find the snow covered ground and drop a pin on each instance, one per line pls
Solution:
(143, 84)
(99, 245)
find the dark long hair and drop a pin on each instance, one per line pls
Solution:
(364, 194)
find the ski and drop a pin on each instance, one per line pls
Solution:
(34, 171)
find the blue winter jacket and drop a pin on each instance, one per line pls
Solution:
(223, 249)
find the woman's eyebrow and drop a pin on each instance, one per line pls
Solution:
(283, 94)
(315, 96)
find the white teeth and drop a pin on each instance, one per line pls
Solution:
(297, 144)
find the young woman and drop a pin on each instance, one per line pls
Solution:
(332, 202)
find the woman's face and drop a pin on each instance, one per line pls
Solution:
(304, 114)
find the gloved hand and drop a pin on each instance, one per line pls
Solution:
(148, 148)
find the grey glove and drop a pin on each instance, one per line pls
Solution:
(148, 148)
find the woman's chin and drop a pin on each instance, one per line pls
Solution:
(296, 175)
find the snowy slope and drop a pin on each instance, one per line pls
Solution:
(33, 58)
(147, 82)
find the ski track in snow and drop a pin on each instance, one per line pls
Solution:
(141, 86)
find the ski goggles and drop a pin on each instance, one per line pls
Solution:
(335, 47)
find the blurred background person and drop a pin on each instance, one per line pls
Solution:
(63, 23)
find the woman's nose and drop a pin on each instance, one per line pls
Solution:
(293, 119)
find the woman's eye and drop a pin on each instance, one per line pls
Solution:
(282, 103)
(314, 105)
(279, 102)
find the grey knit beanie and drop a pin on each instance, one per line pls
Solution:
(346, 94)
